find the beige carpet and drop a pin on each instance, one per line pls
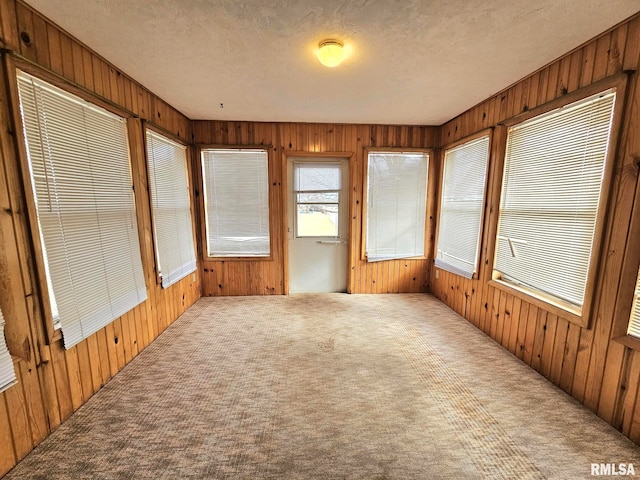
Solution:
(329, 386)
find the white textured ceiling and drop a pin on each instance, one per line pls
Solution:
(418, 62)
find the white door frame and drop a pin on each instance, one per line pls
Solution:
(349, 156)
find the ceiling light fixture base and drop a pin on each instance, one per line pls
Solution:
(331, 52)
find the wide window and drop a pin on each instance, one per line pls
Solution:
(396, 205)
(634, 322)
(461, 206)
(175, 254)
(552, 184)
(79, 160)
(7, 372)
(236, 188)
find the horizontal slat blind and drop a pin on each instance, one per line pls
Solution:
(396, 205)
(79, 159)
(634, 323)
(236, 187)
(551, 191)
(461, 205)
(175, 253)
(7, 372)
(317, 177)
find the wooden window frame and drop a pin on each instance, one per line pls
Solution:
(487, 132)
(203, 219)
(146, 126)
(581, 316)
(430, 188)
(51, 333)
(628, 277)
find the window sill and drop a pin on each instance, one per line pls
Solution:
(629, 341)
(56, 336)
(366, 259)
(552, 305)
(456, 271)
(240, 259)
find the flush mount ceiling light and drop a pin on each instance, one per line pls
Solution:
(331, 53)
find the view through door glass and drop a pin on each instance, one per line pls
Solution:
(317, 199)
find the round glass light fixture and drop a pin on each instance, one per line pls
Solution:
(331, 53)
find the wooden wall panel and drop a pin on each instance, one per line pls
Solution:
(586, 363)
(54, 382)
(251, 277)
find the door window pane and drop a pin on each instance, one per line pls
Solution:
(317, 195)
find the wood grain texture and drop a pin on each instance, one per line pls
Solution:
(266, 277)
(54, 382)
(586, 363)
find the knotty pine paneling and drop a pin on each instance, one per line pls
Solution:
(601, 373)
(264, 277)
(53, 382)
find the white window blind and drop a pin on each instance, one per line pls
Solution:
(634, 322)
(461, 206)
(396, 205)
(236, 188)
(175, 254)
(79, 160)
(551, 191)
(7, 372)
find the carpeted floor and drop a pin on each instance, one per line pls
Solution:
(328, 386)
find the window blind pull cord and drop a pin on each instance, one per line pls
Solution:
(511, 242)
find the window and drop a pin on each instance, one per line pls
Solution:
(79, 161)
(236, 189)
(553, 176)
(461, 206)
(317, 189)
(175, 254)
(634, 322)
(7, 373)
(396, 205)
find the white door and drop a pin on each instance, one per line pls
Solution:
(318, 224)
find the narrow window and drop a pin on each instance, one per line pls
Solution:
(7, 372)
(79, 160)
(461, 206)
(396, 205)
(553, 175)
(236, 189)
(175, 253)
(634, 322)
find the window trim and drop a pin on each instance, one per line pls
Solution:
(628, 277)
(487, 132)
(50, 333)
(429, 213)
(147, 126)
(580, 316)
(201, 204)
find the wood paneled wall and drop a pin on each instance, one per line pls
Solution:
(602, 374)
(260, 277)
(53, 382)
